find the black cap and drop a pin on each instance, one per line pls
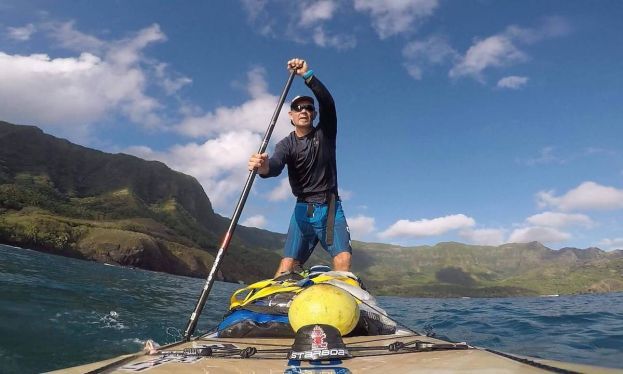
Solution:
(299, 98)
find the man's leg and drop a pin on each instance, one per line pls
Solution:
(286, 264)
(340, 249)
(341, 262)
(300, 241)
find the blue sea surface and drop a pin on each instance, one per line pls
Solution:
(58, 312)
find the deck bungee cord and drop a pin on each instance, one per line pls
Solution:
(396, 347)
(526, 361)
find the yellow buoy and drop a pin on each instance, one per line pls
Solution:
(324, 304)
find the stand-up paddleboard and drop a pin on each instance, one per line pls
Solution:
(322, 318)
(402, 352)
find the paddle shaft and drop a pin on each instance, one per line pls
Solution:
(194, 317)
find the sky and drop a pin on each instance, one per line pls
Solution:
(479, 121)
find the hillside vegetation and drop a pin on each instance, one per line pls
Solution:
(66, 199)
(454, 269)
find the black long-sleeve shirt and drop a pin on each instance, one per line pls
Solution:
(312, 168)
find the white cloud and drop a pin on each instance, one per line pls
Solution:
(428, 227)
(360, 226)
(483, 236)
(558, 220)
(591, 151)
(501, 49)
(315, 15)
(345, 194)
(21, 33)
(391, 17)
(343, 41)
(611, 244)
(169, 83)
(496, 51)
(219, 164)
(72, 93)
(549, 27)
(295, 21)
(317, 12)
(539, 234)
(546, 156)
(66, 35)
(512, 82)
(418, 54)
(254, 8)
(253, 115)
(282, 192)
(258, 221)
(587, 196)
(128, 51)
(66, 82)
(78, 90)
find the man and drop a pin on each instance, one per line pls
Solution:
(309, 153)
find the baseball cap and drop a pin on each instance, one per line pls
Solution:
(300, 98)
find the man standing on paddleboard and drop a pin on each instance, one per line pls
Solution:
(309, 153)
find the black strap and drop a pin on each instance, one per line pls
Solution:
(330, 218)
(310, 210)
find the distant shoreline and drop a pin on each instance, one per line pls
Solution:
(425, 296)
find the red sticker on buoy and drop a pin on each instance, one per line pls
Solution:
(318, 338)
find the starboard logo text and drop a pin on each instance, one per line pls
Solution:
(316, 354)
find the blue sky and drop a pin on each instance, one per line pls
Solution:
(482, 122)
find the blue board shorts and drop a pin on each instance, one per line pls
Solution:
(305, 232)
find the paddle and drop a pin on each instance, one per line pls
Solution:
(194, 317)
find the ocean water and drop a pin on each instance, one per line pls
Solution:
(58, 312)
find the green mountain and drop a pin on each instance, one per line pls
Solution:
(454, 269)
(70, 200)
(62, 198)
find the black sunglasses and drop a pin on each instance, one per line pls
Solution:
(301, 107)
